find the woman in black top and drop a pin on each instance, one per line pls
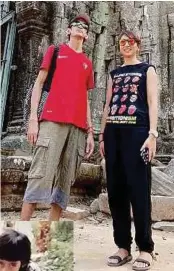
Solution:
(15, 252)
(128, 143)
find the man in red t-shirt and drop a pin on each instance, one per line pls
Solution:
(60, 134)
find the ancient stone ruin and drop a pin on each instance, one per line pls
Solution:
(34, 25)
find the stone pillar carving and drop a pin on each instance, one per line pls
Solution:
(32, 25)
(171, 71)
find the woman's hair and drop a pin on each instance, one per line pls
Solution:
(130, 35)
(15, 246)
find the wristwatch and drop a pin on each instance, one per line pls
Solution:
(154, 133)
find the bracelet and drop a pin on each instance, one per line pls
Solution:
(101, 133)
(101, 141)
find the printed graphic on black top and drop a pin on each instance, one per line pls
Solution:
(129, 99)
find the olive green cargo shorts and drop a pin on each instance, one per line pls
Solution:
(57, 156)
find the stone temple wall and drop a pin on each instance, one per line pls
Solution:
(46, 22)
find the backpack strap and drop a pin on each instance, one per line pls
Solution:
(52, 69)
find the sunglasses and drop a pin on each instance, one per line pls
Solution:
(131, 42)
(80, 25)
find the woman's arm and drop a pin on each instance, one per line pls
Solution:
(152, 98)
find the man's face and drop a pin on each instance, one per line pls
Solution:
(79, 29)
(9, 266)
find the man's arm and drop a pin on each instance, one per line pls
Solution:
(90, 138)
(36, 93)
(33, 128)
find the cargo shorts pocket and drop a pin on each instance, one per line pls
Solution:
(80, 153)
(40, 157)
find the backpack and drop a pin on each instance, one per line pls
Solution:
(44, 94)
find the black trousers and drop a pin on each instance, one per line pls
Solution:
(128, 183)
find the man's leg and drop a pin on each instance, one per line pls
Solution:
(55, 212)
(27, 210)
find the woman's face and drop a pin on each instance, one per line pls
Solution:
(128, 46)
(9, 266)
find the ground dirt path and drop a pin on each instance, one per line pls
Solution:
(94, 243)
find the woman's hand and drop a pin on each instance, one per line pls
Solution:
(101, 148)
(150, 143)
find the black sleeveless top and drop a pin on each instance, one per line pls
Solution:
(128, 105)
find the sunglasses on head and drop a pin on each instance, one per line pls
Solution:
(131, 42)
(81, 24)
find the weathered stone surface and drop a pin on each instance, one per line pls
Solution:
(94, 207)
(89, 172)
(170, 169)
(161, 183)
(17, 144)
(156, 163)
(164, 226)
(75, 213)
(162, 207)
(103, 203)
(16, 162)
(12, 176)
(13, 202)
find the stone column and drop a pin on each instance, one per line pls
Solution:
(171, 71)
(32, 25)
(99, 19)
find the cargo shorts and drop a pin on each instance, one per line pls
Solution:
(57, 156)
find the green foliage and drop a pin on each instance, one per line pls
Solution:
(63, 231)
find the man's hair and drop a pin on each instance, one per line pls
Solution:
(15, 246)
(131, 35)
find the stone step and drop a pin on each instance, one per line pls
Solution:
(13, 202)
(16, 122)
(164, 158)
(16, 145)
(14, 129)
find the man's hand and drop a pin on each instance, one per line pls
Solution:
(89, 145)
(32, 132)
(150, 143)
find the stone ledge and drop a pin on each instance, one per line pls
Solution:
(164, 226)
(162, 207)
(16, 162)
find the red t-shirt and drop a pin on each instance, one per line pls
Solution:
(67, 99)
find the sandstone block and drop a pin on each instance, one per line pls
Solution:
(16, 162)
(103, 203)
(164, 226)
(162, 208)
(169, 170)
(94, 207)
(75, 213)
